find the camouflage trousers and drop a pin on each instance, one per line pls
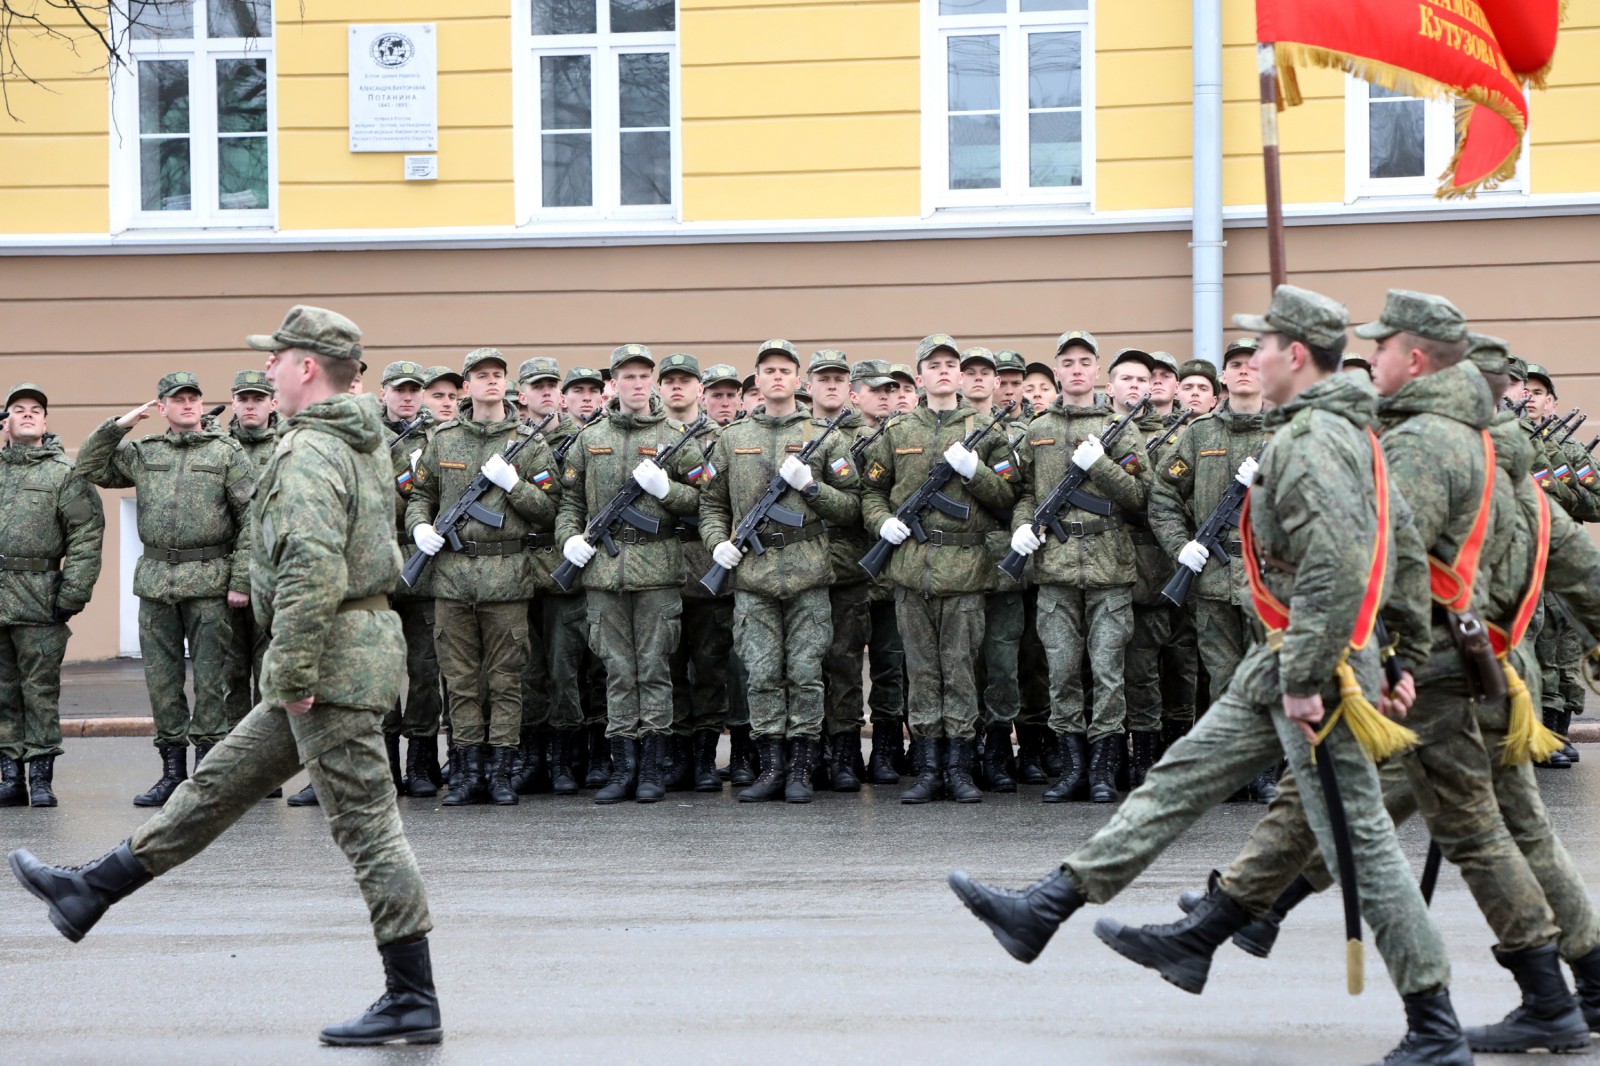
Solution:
(844, 663)
(552, 681)
(247, 643)
(1033, 669)
(1244, 729)
(424, 703)
(163, 628)
(1180, 671)
(1097, 624)
(482, 648)
(341, 749)
(700, 666)
(634, 634)
(1000, 693)
(781, 644)
(738, 690)
(886, 664)
(943, 635)
(30, 690)
(1144, 661)
(1224, 635)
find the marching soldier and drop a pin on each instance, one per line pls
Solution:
(51, 528)
(255, 427)
(194, 487)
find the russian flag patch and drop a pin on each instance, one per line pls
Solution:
(543, 480)
(1564, 472)
(840, 467)
(1005, 469)
(702, 473)
(402, 482)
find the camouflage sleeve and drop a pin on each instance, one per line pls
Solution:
(989, 488)
(106, 459)
(683, 498)
(422, 506)
(716, 511)
(877, 479)
(1171, 490)
(1545, 464)
(85, 522)
(573, 513)
(1408, 609)
(1428, 479)
(1027, 488)
(1573, 569)
(1587, 506)
(837, 500)
(1121, 474)
(535, 496)
(239, 486)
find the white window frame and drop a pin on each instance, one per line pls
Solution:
(1013, 27)
(1439, 131)
(201, 52)
(603, 48)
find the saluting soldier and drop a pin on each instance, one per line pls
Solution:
(255, 427)
(194, 488)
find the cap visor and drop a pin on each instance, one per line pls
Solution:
(1375, 331)
(1253, 323)
(265, 343)
(874, 382)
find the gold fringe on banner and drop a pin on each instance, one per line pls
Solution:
(1378, 736)
(1526, 736)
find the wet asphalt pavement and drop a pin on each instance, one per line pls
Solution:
(695, 930)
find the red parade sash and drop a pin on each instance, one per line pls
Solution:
(1452, 583)
(1503, 640)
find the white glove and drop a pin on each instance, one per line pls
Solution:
(500, 472)
(652, 478)
(894, 531)
(796, 473)
(415, 455)
(1025, 541)
(1247, 471)
(577, 550)
(1087, 453)
(1194, 555)
(726, 555)
(427, 539)
(962, 459)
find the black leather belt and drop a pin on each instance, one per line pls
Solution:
(188, 555)
(1093, 525)
(547, 541)
(485, 549)
(33, 566)
(629, 535)
(940, 539)
(784, 536)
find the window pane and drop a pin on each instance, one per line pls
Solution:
(153, 20)
(974, 73)
(242, 173)
(1055, 5)
(1395, 139)
(643, 16)
(241, 95)
(239, 18)
(568, 164)
(164, 96)
(1378, 92)
(644, 90)
(1055, 149)
(971, 7)
(1055, 70)
(647, 168)
(164, 174)
(564, 92)
(974, 151)
(563, 16)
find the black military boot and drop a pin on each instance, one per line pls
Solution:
(678, 766)
(846, 753)
(456, 761)
(1172, 730)
(1072, 783)
(1146, 750)
(79, 895)
(1030, 755)
(469, 788)
(201, 751)
(12, 791)
(306, 797)
(1586, 976)
(705, 761)
(1258, 937)
(1264, 789)
(563, 752)
(652, 768)
(772, 781)
(997, 758)
(174, 772)
(741, 757)
(501, 791)
(1180, 951)
(41, 775)
(1548, 1018)
(885, 746)
(1433, 1035)
(1055, 756)
(1104, 756)
(1023, 921)
(407, 1011)
(623, 761)
(531, 765)
(958, 783)
(1558, 759)
(1564, 728)
(599, 775)
(927, 763)
(804, 754)
(430, 758)
(391, 745)
(418, 784)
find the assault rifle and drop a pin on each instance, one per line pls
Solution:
(1172, 431)
(215, 411)
(408, 429)
(1069, 493)
(561, 450)
(1573, 429)
(621, 511)
(1515, 408)
(1590, 446)
(930, 494)
(1540, 428)
(859, 446)
(1223, 516)
(449, 523)
(1550, 430)
(747, 534)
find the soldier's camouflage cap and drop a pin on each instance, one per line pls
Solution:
(1491, 355)
(539, 368)
(978, 354)
(782, 347)
(935, 343)
(1132, 355)
(828, 359)
(1006, 359)
(439, 373)
(719, 374)
(1535, 370)
(175, 381)
(679, 361)
(1080, 337)
(253, 381)
(1350, 359)
(28, 388)
(748, 383)
(903, 370)
(1041, 368)
(483, 355)
(1166, 359)
(873, 373)
(396, 373)
(1308, 317)
(581, 374)
(1517, 369)
(313, 329)
(1246, 345)
(1202, 367)
(631, 353)
(1420, 314)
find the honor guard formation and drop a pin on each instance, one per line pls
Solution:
(1356, 588)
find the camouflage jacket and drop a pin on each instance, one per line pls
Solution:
(1152, 565)
(257, 443)
(999, 542)
(322, 533)
(1575, 467)
(455, 454)
(882, 590)
(696, 556)
(1102, 556)
(194, 492)
(897, 465)
(746, 458)
(595, 471)
(1188, 483)
(544, 547)
(847, 542)
(403, 460)
(47, 514)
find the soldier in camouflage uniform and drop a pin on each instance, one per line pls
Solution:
(1314, 510)
(255, 427)
(51, 526)
(1197, 386)
(481, 591)
(940, 583)
(1086, 581)
(323, 560)
(194, 487)
(635, 608)
(441, 389)
(782, 620)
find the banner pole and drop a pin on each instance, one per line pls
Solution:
(1267, 67)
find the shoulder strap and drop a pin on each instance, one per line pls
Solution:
(1452, 583)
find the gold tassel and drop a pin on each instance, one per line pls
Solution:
(1378, 736)
(1354, 967)
(1526, 736)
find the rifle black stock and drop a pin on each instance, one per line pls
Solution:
(217, 410)
(1572, 429)
(408, 429)
(1224, 515)
(1172, 431)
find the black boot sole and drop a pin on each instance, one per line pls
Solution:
(57, 919)
(1261, 948)
(1174, 973)
(418, 1036)
(1569, 1039)
(973, 900)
